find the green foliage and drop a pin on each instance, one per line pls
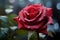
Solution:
(11, 33)
(21, 32)
(10, 19)
(33, 37)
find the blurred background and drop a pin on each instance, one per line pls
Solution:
(8, 27)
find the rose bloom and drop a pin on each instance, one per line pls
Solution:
(34, 17)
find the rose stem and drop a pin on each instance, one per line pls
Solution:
(38, 36)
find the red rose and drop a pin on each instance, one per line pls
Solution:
(34, 17)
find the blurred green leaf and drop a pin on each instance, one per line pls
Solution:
(33, 37)
(10, 19)
(21, 32)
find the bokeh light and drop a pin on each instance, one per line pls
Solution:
(58, 6)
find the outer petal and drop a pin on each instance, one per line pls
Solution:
(20, 26)
(49, 13)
